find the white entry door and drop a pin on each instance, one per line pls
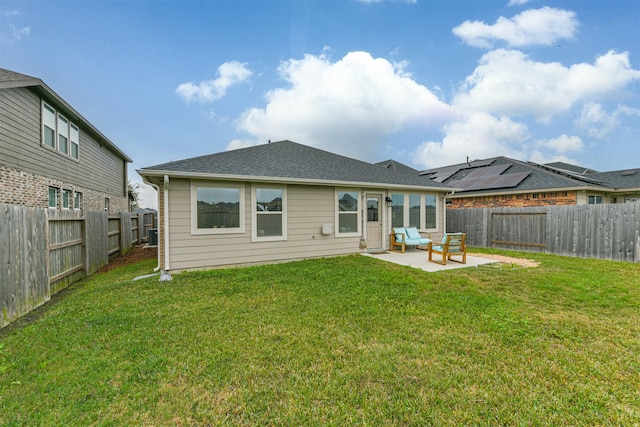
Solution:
(374, 221)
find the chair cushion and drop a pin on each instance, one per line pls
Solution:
(399, 232)
(413, 233)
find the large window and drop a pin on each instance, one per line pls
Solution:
(269, 213)
(59, 133)
(348, 208)
(430, 212)
(397, 210)
(422, 211)
(414, 210)
(217, 208)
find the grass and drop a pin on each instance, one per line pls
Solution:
(337, 341)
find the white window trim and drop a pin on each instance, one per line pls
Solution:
(254, 214)
(68, 193)
(56, 132)
(49, 199)
(77, 195)
(423, 218)
(194, 208)
(337, 232)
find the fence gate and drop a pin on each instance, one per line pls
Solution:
(519, 230)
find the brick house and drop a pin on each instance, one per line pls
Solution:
(505, 182)
(51, 156)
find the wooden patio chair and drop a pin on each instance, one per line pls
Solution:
(452, 244)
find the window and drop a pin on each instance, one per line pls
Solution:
(422, 212)
(59, 133)
(63, 135)
(397, 210)
(217, 209)
(595, 200)
(48, 126)
(414, 210)
(77, 200)
(74, 136)
(66, 199)
(430, 211)
(348, 218)
(269, 213)
(53, 197)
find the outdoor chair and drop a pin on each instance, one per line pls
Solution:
(407, 236)
(452, 244)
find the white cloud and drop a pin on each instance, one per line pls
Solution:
(229, 74)
(595, 121)
(542, 26)
(542, 158)
(478, 136)
(241, 143)
(518, 2)
(562, 144)
(15, 34)
(349, 107)
(508, 82)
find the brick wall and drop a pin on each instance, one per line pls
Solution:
(27, 189)
(559, 198)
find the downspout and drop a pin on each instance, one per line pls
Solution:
(158, 195)
(164, 274)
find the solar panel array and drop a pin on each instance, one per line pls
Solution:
(491, 177)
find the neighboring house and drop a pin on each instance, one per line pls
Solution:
(283, 201)
(505, 182)
(51, 156)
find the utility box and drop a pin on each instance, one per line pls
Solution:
(153, 237)
(327, 229)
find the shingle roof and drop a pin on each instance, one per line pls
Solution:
(395, 165)
(10, 79)
(538, 177)
(622, 179)
(289, 160)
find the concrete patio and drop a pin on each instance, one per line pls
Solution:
(417, 258)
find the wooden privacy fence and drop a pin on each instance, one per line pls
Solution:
(43, 251)
(605, 231)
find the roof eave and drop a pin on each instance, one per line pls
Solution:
(148, 173)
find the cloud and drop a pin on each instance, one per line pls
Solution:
(562, 144)
(518, 2)
(508, 82)
(229, 74)
(542, 26)
(595, 121)
(350, 106)
(15, 34)
(478, 135)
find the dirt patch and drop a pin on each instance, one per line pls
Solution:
(509, 260)
(138, 253)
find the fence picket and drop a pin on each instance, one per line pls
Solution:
(607, 231)
(43, 251)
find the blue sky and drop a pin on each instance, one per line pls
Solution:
(425, 82)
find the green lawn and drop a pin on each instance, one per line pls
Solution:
(338, 341)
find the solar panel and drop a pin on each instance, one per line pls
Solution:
(510, 180)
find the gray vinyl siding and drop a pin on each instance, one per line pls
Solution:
(98, 168)
(308, 207)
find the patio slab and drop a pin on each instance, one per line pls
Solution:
(417, 258)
